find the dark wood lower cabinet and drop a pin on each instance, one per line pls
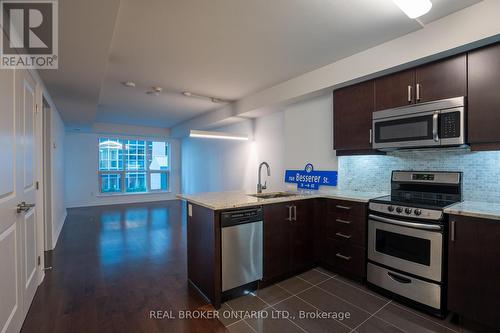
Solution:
(474, 269)
(297, 236)
(276, 241)
(288, 238)
(204, 252)
(301, 236)
(344, 238)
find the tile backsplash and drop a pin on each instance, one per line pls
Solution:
(481, 170)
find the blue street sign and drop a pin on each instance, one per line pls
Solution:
(311, 179)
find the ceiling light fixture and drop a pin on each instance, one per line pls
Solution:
(156, 91)
(414, 8)
(217, 135)
(129, 84)
(212, 99)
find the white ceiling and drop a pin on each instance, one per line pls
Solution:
(222, 48)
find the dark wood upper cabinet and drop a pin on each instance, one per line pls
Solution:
(484, 96)
(474, 269)
(395, 90)
(441, 80)
(352, 114)
(438, 80)
(475, 75)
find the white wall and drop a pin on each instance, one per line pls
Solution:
(81, 178)
(57, 152)
(308, 134)
(289, 139)
(210, 165)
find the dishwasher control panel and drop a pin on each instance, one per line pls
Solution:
(234, 217)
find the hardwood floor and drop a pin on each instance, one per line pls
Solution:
(112, 266)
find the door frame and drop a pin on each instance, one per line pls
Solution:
(47, 173)
(40, 198)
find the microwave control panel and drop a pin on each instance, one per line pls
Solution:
(450, 125)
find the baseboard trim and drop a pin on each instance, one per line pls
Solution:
(98, 204)
(55, 237)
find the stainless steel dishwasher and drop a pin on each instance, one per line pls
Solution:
(241, 248)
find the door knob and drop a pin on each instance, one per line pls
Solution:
(24, 207)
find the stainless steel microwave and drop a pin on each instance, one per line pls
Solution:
(432, 124)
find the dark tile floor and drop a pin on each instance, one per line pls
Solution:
(319, 301)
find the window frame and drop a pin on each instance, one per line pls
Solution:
(124, 170)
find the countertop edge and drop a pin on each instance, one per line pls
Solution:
(472, 213)
(278, 200)
(461, 209)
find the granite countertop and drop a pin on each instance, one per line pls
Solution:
(228, 200)
(484, 210)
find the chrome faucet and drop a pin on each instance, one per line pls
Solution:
(261, 187)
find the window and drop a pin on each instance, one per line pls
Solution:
(133, 166)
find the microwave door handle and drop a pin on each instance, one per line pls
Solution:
(435, 134)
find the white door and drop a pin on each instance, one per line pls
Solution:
(26, 106)
(18, 231)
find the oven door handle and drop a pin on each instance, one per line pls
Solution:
(422, 226)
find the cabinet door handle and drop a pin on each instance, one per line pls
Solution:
(418, 92)
(289, 218)
(452, 231)
(371, 135)
(343, 236)
(295, 213)
(409, 93)
(343, 221)
(338, 255)
(343, 207)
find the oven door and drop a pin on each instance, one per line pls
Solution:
(414, 248)
(412, 130)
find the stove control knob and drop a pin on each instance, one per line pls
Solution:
(418, 212)
(390, 208)
(408, 211)
(399, 210)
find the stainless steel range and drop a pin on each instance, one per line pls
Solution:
(407, 235)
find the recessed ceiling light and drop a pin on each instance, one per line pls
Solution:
(129, 84)
(155, 91)
(414, 8)
(217, 135)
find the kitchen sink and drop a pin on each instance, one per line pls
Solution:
(273, 195)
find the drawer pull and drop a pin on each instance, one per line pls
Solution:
(343, 221)
(338, 255)
(398, 278)
(343, 207)
(343, 236)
